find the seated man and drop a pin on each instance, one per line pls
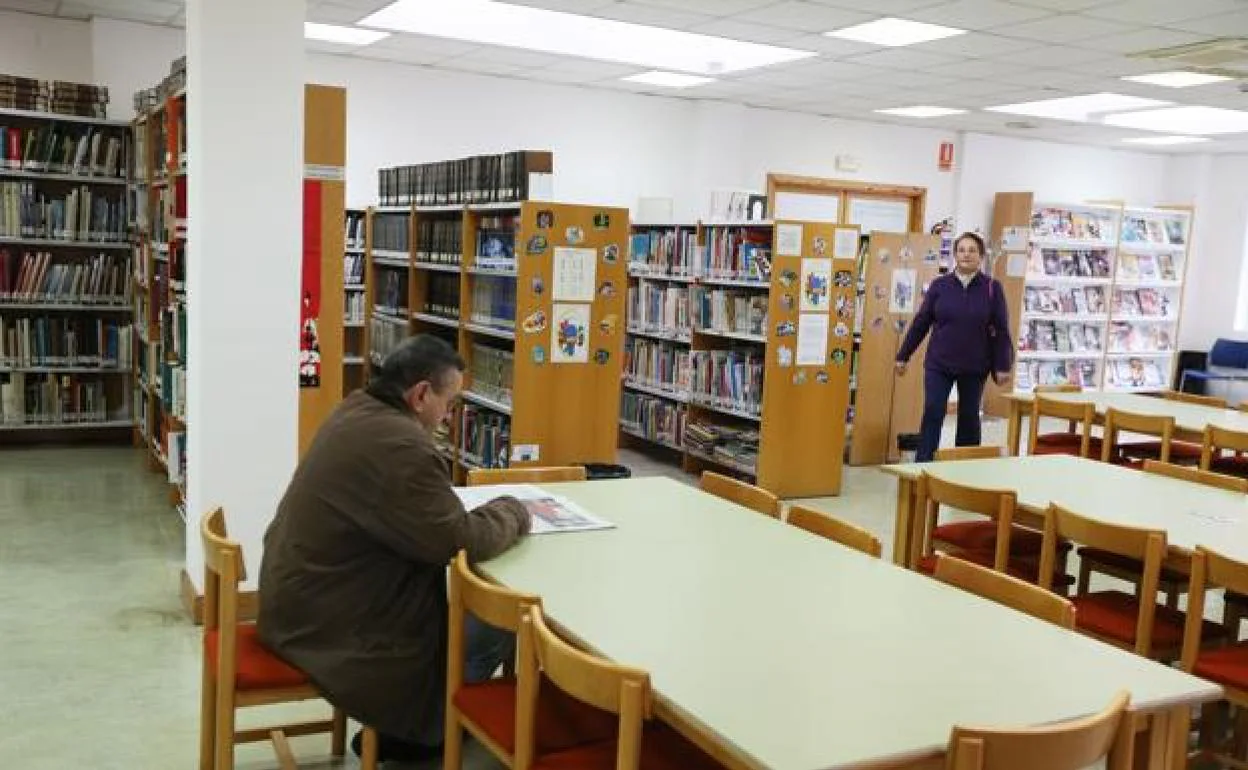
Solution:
(353, 581)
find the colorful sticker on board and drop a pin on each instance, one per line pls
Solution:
(526, 453)
(931, 257)
(788, 278)
(574, 235)
(843, 279)
(880, 292)
(885, 255)
(821, 377)
(536, 245)
(602, 356)
(545, 219)
(784, 356)
(602, 220)
(608, 323)
(787, 302)
(814, 287)
(838, 357)
(607, 289)
(539, 354)
(611, 254)
(904, 254)
(534, 322)
(539, 286)
(570, 335)
(843, 307)
(841, 330)
(877, 323)
(799, 377)
(821, 246)
(785, 329)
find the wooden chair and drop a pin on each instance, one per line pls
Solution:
(545, 659)
(1064, 387)
(478, 477)
(1133, 454)
(1198, 476)
(985, 542)
(1131, 622)
(1064, 746)
(741, 493)
(1077, 440)
(834, 529)
(1004, 589)
(1194, 398)
(490, 710)
(239, 672)
(1216, 442)
(1226, 666)
(952, 454)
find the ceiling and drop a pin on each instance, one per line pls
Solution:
(1016, 50)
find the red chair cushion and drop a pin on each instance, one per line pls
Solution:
(1126, 564)
(258, 668)
(562, 721)
(982, 536)
(1228, 666)
(1066, 444)
(1231, 466)
(1114, 615)
(1151, 450)
(662, 748)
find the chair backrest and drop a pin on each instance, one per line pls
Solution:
(1080, 415)
(1060, 388)
(1209, 569)
(223, 571)
(617, 689)
(1229, 353)
(1197, 476)
(1146, 545)
(834, 529)
(949, 454)
(1005, 589)
(1216, 439)
(478, 477)
(1064, 746)
(1156, 425)
(1194, 398)
(741, 493)
(996, 504)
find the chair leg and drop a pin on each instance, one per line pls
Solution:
(1232, 616)
(281, 747)
(208, 720)
(1172, 597)
(338, 734)
(368, 749)
(452, 741)
(225, 729)
(1085, 577)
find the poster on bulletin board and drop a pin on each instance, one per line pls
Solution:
(310, 288)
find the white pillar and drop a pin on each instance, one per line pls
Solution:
(245, 65)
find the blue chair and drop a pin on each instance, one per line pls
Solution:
(1228, 360)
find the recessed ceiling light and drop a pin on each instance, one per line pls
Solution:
(569, 34)
(1165, 140)
(891, 31)
(1081, 108)
(921, 111)
(1183, 120)
(331, 33)
(1177, 79)
(668, 79)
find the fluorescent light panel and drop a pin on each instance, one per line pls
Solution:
(1078, 108)
(891, 31)
(569, 34)
(1176, 79)
(331, 33)
(1191, 120)
(668, 79)
(1162, 141)
(921, 111)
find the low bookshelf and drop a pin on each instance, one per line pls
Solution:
(355, 299)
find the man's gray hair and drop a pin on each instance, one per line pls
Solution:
(423, 358)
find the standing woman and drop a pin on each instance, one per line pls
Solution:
(970, 324)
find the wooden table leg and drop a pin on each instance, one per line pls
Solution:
(1013, 429)
(1153, 748)
(1180, 732)
(902, 525)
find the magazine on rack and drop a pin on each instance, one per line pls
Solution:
(551, 513)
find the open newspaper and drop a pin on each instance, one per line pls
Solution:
(551, 513)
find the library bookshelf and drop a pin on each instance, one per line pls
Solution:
(531, 294)
(354, 302)
(711, 371)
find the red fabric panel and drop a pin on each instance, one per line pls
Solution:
(310, 291)
(258, 669)
(1114, 615)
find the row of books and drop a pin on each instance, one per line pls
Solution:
(653, 418)
(1070, 263)
(441, 241)
(173, 330)
(1146, 267)
(657, 364)
(175, 81)
(1084, 373)
(56, 96)
(353, 229)
(52, 400)
(490, 371)
(484, 436)
(173, 389)
(1057, 222)
(728, 379)
(353, 270)
(55, 341)
(658, 306)
(390, 232)
(664, 251)
(1134, 373)
(1168, 231)
(1142, 303)
(478, 179)
(728, 310)
(735, 253)
(80, 214)
(442, 296)
(494, 301)
(736, 447)
(1048, 336)
(384, 337)
(175, 456)
(496, 240)
(1139, 338)
(392, 290)
(353, 307)
(1085, 300)
(35, 277)
(62, 149)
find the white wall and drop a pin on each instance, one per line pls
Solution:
(127, 57)
(42, 47)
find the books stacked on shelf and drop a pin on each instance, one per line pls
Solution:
(484, 437)
(1139, 338)
(513, 176)
(354, 230)
(62, 148)
(443, 296)
(729, 381)
(662, 250)
(736, 448)
(658, 365)
(392, 292)
(659, 308)
(1132, 373)
(440, 241)
(1083, 372)
(1074, 223)
(1080, 300)
(735, 254)
(653, 419)
(1144, 303)
(1059, 337)
(52, 400)
(494, 302)
(57, 96)
(496, 243)
(728, 311)
(64, 342)
(1068, 263)
(40, 277)
(383, 337)
(491, 372)
(353, 308)
(80, 215)
(390, 233)
(353, 270)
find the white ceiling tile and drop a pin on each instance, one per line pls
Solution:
(829, 46)
(47, 7)
(637, 13)
(368, 6)
(903, 58)
(1063, 29)
(423, 48)
(978, 68)
(880, 7)
(979, 45)
(587, 69)
(1145, 39)
(469, 64)
(1065, 6)
(585, 7)
(1053, 55)
(1118, 66)
(784, 77)
(1163, 12)
(333, 13)
(511, 57)
(973, 87)
(749, 32)
(1047, 78)
(977, 14)
(909, 79)
(708, 7)
(1217, 26)
(804, 16)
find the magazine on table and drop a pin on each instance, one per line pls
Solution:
(550, 512)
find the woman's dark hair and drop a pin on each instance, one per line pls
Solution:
(423, 358)
(969, 236)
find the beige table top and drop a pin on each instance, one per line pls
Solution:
(802, 654)
(1191, 514)
(1191, 418)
